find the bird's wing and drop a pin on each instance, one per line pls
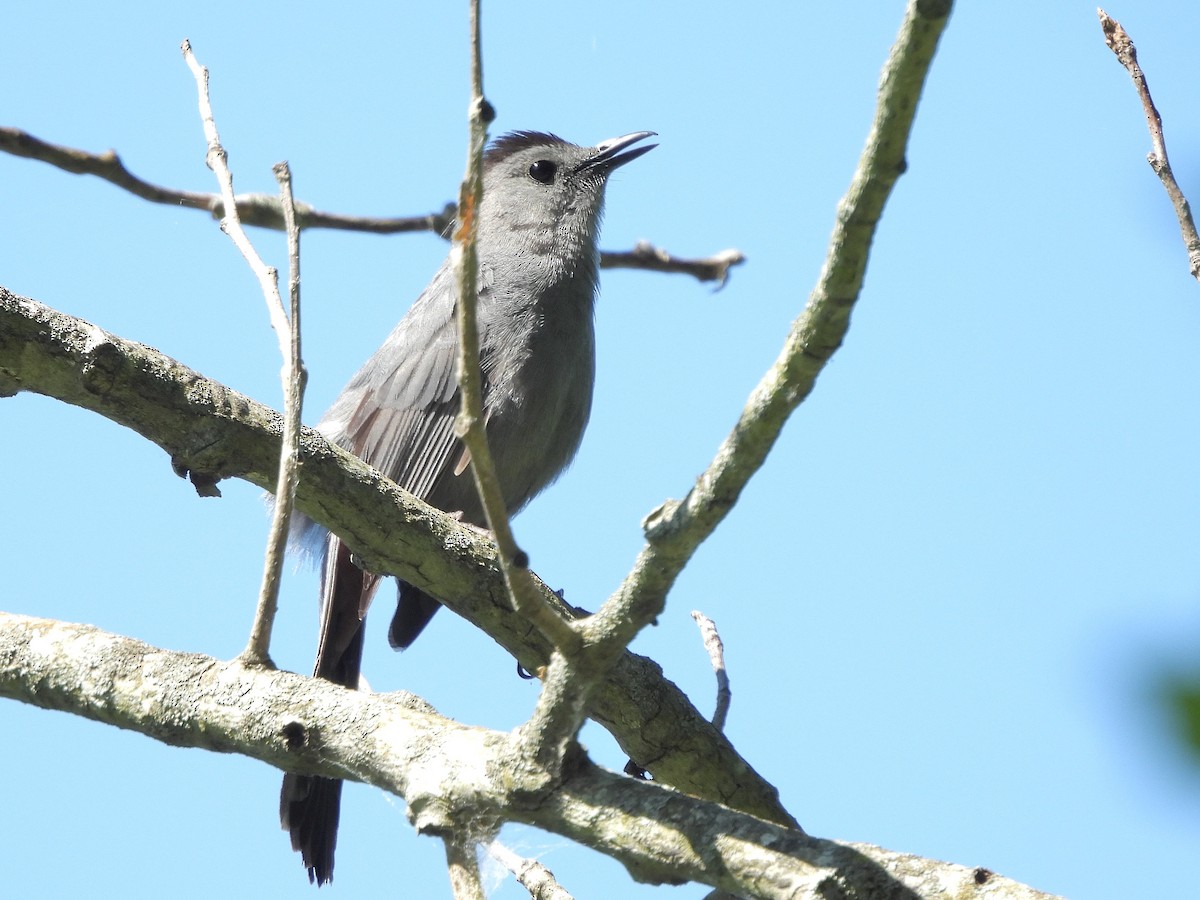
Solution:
(398, 412)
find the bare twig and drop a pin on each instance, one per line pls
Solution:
(288, 334)
(262, 210)
(514, 563)
(218, 160)
(463, 866)
(646, 256)
(530, 874)
(266, 211)
(294, 376)
(1121, 44)
(716, 655)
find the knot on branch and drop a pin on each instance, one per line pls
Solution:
(102, 366)
(660, 521)
(455, 813)
(295, 735)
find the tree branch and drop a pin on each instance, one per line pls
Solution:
(101, 372)
(294, 377)
(287, 332)
(470, 424)
(529, 873)
(266, 211)
(212, 432)
(463, 866)
(1121, 44)
(716, 655)
(647, 257)
(262, 210)
(446, 772)
(677, 528)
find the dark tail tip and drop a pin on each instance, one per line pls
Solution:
(414, 609)
(308, 811)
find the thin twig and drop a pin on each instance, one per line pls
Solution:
(258, 646)
(1121, 44)
(470, 427)
(463, 866)
(266, 211)
(649, 258)
(560, 709)
(294, 376)
(716, 655)
(529, 873)
(218, 160)
(262, 210)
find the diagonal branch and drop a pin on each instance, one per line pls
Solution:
(677, 528)
(212, 432)
(1121, 44)
(656, 726)
(529, 873)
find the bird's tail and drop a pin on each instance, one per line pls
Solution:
(414, 609)
(309, 805)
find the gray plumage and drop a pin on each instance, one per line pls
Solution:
(538, 268)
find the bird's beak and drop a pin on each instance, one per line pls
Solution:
(608, 155)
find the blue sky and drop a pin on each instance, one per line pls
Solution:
(946, 598)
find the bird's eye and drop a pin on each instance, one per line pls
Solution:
(543, 170)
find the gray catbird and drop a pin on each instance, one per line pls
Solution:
(538, 263)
